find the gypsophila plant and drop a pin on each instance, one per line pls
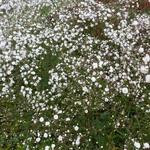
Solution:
(75, 75)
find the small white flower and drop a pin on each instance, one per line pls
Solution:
(60, 112)
(78, 140)
(93, 79)
(86, 111)
(135, 23)
(38, 139)
(85, 89)
(45, 135)
(125, 90)
(2, 44)
(146, 58)
(47, 123)
(137, 144)
(106, 99)
(100, 63)
(147, 78)
(60, 138)
(141, 50)
(95, 65)
(76, 128)
(25, 82)
(129, 36)
(53, 146)
(47, 147)
(1, 74)
(67, 119)
(146, 145)
(111, 69)
(41, 119)
(144, 69)
(55, 117)
(8, 72)
(106, 89)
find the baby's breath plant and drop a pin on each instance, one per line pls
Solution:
(74, 75)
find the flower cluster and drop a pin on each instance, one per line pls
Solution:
(75, 76)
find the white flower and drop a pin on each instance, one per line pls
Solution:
(137, 144)
(25, 82)
(2, 44)
(147, 78)
(55, 117)
(47, 147)
(129, 36)
(60, 138)
(135, 23)
(146, 145)
(78, 140)
(67, 119)
(111, 69)
(95, 65)
(144, 69)
(106, 89)
(86, 111)
(47, 123)
(38, 139)
(106, 99)
(125, 90)
(41, 119)
(60, 112)
(76, 128)
(53, 146)
(93, 79)
(85, 89)
(146, 58)
(45, 135)
(141, 50)
(100, 63)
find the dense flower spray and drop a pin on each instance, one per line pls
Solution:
(74, 76)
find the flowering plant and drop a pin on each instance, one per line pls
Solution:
(74, 75)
